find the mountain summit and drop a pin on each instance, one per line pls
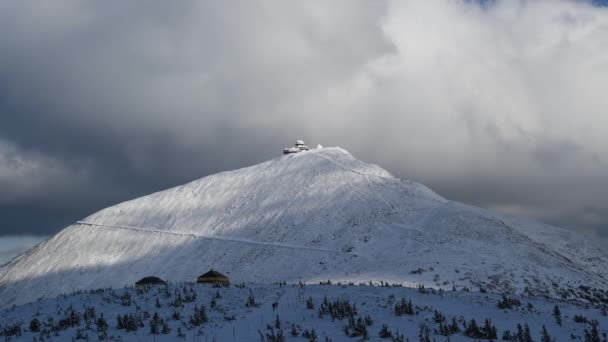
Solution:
(310, 216)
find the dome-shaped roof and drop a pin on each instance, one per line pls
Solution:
(151, 281)
(213, 274)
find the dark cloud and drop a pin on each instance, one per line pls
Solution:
(501, 105)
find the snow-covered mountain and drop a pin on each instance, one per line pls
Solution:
(309, 216)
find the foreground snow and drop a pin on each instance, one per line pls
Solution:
(297, 308)
(307, 217)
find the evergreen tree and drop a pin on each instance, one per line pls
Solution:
(166, 328)
(593, 335)
(520, 333)
(444, 329)
(102, 325)
(424, 334)
(310, 304)
(200, 316)
(294, 331)
(310, 335)
(35, 325)
(454, 328)
(558, 315)
(438, 317)
(472, 330)
(508, 303)
(545, 337)
(527, 335)
(153, 327)
(155, 323)
(384, 332)
(89, 314)
(250, 300)
(489, 331)
(404, 308)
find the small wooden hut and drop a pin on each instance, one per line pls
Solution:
(213, 277)
(150, 281)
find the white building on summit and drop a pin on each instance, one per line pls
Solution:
(299, 147)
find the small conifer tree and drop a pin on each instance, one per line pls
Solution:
(545, 337)
(558, 315)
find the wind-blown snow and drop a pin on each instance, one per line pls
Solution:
(308, 216)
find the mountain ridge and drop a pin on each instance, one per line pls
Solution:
(309, 216)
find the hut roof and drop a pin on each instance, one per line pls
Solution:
(151, 281)
(212, 274)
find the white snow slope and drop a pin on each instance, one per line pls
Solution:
(308, 216)
(245, 323)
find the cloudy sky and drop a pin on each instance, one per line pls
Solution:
(501, 104)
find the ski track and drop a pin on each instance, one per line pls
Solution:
(271, 244)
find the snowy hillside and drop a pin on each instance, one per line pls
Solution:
(307, 217)
(329, 312)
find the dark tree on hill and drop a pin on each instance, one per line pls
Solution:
(102, 325)
(277, 322)
(129, 322)
(89, 314)
(443, 329)
(593, 335)
(250, 300)
(472, 330)
(404, 308)
(545, 337)
(278, 337)
(454, 328)
(35, 325)
(310, 335)
(520, 333)
(438, 317)
(200, 316)
(356, 328)
(310, 304)
(489, 331)
(384, 332)
(424, 334)
(527, 335)
(508, 303)
(558, 315)
(166, 328)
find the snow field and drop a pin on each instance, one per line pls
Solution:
(229, 319)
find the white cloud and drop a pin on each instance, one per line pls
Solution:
(501, 105)
(30, 175)
(12, 246)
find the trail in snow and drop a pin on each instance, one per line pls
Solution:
(271, 244)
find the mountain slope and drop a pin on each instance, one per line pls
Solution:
(309, 216)
(292, 306)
